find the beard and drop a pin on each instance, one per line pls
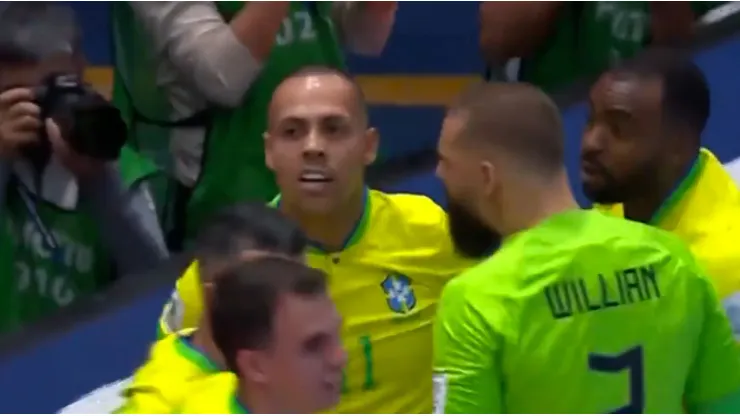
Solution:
(471, 237)
(605, 189)
(606, 193)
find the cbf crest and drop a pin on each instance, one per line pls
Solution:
(399, 293)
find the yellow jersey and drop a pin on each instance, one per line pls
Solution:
(161, 384)
(704, 211)
(386, 283)
(214, 395)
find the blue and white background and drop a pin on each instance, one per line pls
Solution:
(432, 53)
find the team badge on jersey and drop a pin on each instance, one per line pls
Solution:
(399, 293)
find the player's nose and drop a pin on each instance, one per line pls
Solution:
(338, 357)
(593, 140)
(314, 143)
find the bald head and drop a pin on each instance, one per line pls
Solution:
(320, 80)
(515, 119)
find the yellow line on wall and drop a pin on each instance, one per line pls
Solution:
(413, 90)
(398, 90)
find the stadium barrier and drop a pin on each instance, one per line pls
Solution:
(47, 365)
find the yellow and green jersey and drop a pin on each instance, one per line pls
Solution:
(585, 313)
(704, 211)
(161, 385)
(386, 283)
(214, 395)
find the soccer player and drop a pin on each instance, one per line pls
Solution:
(577, 312)
(642, 159)
(387, 256)
(189, 355)
(279, 333)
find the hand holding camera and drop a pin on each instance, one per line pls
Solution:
(80, 126)
(19, 121)
(82, 166)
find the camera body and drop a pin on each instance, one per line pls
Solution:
(89, 124)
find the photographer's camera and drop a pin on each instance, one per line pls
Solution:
(89, 124)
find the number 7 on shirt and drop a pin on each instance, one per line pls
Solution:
(630, 360)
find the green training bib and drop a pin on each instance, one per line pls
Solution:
(46, 280)
(41, 280)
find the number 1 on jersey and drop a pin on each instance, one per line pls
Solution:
(366, 346)
(631, 361)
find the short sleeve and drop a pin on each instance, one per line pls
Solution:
(466, 368)
(715, 373)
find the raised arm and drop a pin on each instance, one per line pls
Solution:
(365, 26)
(512, 29)
(220, 59)
(671, 22)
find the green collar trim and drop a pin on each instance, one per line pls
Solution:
(236, 407)
(185, 348)
(678, 194)
(358, 231)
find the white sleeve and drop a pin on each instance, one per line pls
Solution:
(201, 46)
(103, 400)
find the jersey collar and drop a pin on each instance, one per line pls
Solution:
(236, 407)
(680, 191)
(358, 231)
(193, 354)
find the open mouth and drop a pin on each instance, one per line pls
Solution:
(590, 168)
(315, 177)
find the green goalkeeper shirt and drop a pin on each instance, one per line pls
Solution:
(585, 313)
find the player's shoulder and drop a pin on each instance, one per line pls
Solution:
(210, 395)
(715, 248)
(166, 375)
(164, 353)
(618, 230)
(482, 295)
(411, 209)
(585, 235)
(408, 218)
(412, 232)
(497, 275)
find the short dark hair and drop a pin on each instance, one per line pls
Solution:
(246, 226)
(686, 99)
(312, 70)
(34, 31)
(245, 298)
(518, 118)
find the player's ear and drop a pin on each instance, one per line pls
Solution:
(372, 138)
(252, 365)
(489, 178)
(268, 149)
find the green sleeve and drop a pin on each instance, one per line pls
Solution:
(714, 379)
(466, 368)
